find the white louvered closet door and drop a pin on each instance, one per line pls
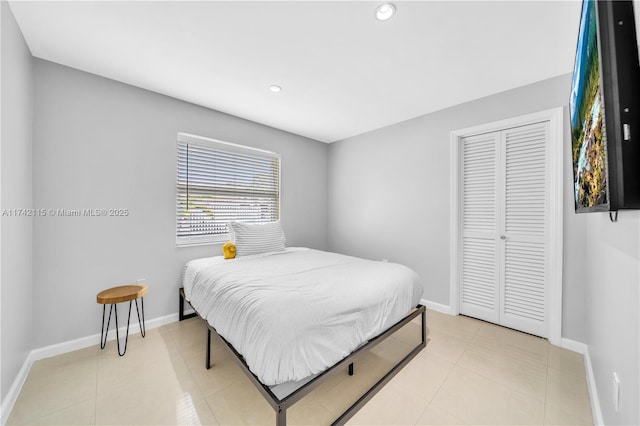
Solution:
(525, 227)
(479, 292)
(504, 266)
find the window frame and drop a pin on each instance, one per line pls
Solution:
(227, 147)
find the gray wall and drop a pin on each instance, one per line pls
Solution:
(17, 232)
(612, 264)
(102, 144)
(390, 194)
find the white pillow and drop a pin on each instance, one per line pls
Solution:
(256, 238)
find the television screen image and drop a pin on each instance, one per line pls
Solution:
(588, 135)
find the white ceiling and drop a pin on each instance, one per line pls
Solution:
(343, 72)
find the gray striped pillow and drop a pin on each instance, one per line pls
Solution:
(256, 238)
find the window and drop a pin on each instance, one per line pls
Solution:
(218, 182)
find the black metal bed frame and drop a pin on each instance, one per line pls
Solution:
(281, 405)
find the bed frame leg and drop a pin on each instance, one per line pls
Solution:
(424, 327)
(208, 360)
(180, 306)
(351, 369)
(281, 416)
(181, 315)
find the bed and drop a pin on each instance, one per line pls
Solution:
(294, 316)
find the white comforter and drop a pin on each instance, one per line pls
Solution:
(296, 313)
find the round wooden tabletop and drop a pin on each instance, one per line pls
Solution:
(123, 293)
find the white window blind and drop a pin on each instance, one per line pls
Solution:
(218, 182)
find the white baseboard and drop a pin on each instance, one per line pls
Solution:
(84, 342)
(64, 347)
(574, 346)
(593, 391)
(72, 345)
(569, 344)
(439, 307)
(14, 390)
(583, 349)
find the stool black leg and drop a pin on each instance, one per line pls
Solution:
(142, 327)
(126, 339)
(103, 332)
(118, 331)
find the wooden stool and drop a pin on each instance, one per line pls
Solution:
(125, 293)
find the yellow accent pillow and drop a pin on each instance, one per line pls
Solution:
(229, 250)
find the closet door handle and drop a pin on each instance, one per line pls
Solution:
(502, 237)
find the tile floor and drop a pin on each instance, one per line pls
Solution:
(471, 372)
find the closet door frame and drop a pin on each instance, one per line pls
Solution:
(555, 153)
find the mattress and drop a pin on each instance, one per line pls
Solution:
(295, 313)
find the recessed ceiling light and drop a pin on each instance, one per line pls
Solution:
(385, 11)
(275, 88)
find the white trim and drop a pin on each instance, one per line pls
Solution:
(573, 345)
(556, 163)
(565, 343)
(85, 342)
(439, 307)
(596, 411)
(568, 344)
(555, 117)
(2, 410)
(583, 349)
(16, 387)
(224, 145)
(64, 347)
(454, 225)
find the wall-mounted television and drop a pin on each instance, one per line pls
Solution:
(604, 109)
